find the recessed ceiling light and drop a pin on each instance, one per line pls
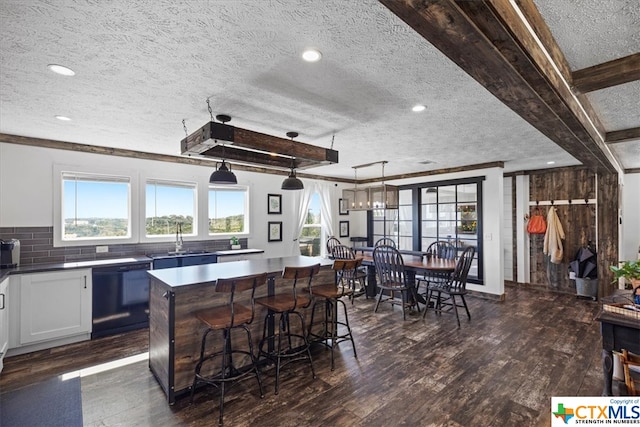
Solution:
(63, 118)
(311, 55)
(418, 108)
(551, 162)
(62, 70)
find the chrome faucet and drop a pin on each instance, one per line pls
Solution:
(179, 240)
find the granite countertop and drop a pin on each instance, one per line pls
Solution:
(39, 268)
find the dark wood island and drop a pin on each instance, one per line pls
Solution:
(176, 293)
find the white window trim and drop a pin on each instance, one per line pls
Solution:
(143, 211)
(247, 220)
(58, 170)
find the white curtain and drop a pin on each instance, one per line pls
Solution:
(325, 190)
(301, 213)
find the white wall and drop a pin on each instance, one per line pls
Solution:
(26, 190)
(508, 229)
(630, 227)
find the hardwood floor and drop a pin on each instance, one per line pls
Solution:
(500, 369)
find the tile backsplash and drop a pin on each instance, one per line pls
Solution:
(36, 247)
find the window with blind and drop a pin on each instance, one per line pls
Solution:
(169, 204)
(95, 207)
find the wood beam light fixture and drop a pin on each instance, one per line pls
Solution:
(369, 198)
(218, 140)
(292, 182)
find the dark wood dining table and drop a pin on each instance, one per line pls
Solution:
(414, 263)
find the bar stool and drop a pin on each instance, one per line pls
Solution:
(289, 346)
(227, 318)
(332, 294)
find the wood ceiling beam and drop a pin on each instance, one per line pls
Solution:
(622, 135)
(490, 41)
(607, 74)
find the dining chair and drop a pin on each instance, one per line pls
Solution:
(393, 278)
(332, 242)
(388, 241)
(631, 368)
(441, 295)
(438, 249)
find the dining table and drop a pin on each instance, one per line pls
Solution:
(415, 263)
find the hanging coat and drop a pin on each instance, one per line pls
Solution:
(553, 237)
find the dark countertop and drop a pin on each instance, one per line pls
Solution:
(196, 274)
(39, 268)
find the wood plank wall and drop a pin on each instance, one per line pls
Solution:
(579, 222)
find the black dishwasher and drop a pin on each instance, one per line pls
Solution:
(120, 298)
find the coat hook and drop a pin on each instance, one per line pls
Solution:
(551, 202)
(569, 201)
(586, 201)
(537, 203)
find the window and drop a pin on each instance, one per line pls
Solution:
(95, 207)
(311, 235)
(228, 210)
(168, 204)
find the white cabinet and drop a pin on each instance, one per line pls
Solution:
(54, 305)
(4, 320)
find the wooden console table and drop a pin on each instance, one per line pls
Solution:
(618, 332)
(176, 293)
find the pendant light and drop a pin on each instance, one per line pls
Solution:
(292, 182)
(223, 174)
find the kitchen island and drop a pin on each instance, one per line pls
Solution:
(176, 293)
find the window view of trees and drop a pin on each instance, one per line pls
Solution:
(311, 235)
(162, 225)
(228, 210)
(229, 224)
(95, 227)
(95, 206)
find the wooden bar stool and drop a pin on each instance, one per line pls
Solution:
(227, 318)
(289, 346)
(332, 294)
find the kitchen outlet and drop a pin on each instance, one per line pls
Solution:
(102, 249)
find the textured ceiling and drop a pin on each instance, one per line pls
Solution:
(144, 66)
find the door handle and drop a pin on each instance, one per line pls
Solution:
(2, 308)
(85, 282)
(166, 295)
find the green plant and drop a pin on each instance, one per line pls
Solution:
(630, 270)
(234, 240)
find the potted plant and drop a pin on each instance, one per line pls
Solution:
(235, 242)
(630, 270)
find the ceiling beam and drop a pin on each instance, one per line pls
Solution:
(607, 74)
(492, 43)
(622, 135)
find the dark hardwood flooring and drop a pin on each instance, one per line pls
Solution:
(500, 369)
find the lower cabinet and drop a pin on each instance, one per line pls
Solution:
(4, 320)
(53, 305)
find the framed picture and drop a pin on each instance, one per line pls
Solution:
(275, 231)
(274, 203)
(344, 228)
(342, 207)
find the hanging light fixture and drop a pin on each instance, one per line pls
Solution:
(222, 174)
(292, 182)
(382, 196)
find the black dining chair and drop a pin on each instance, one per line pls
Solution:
(439, 249)
(388, 241)
(393, 278)
(442, 295)
(332, 242)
